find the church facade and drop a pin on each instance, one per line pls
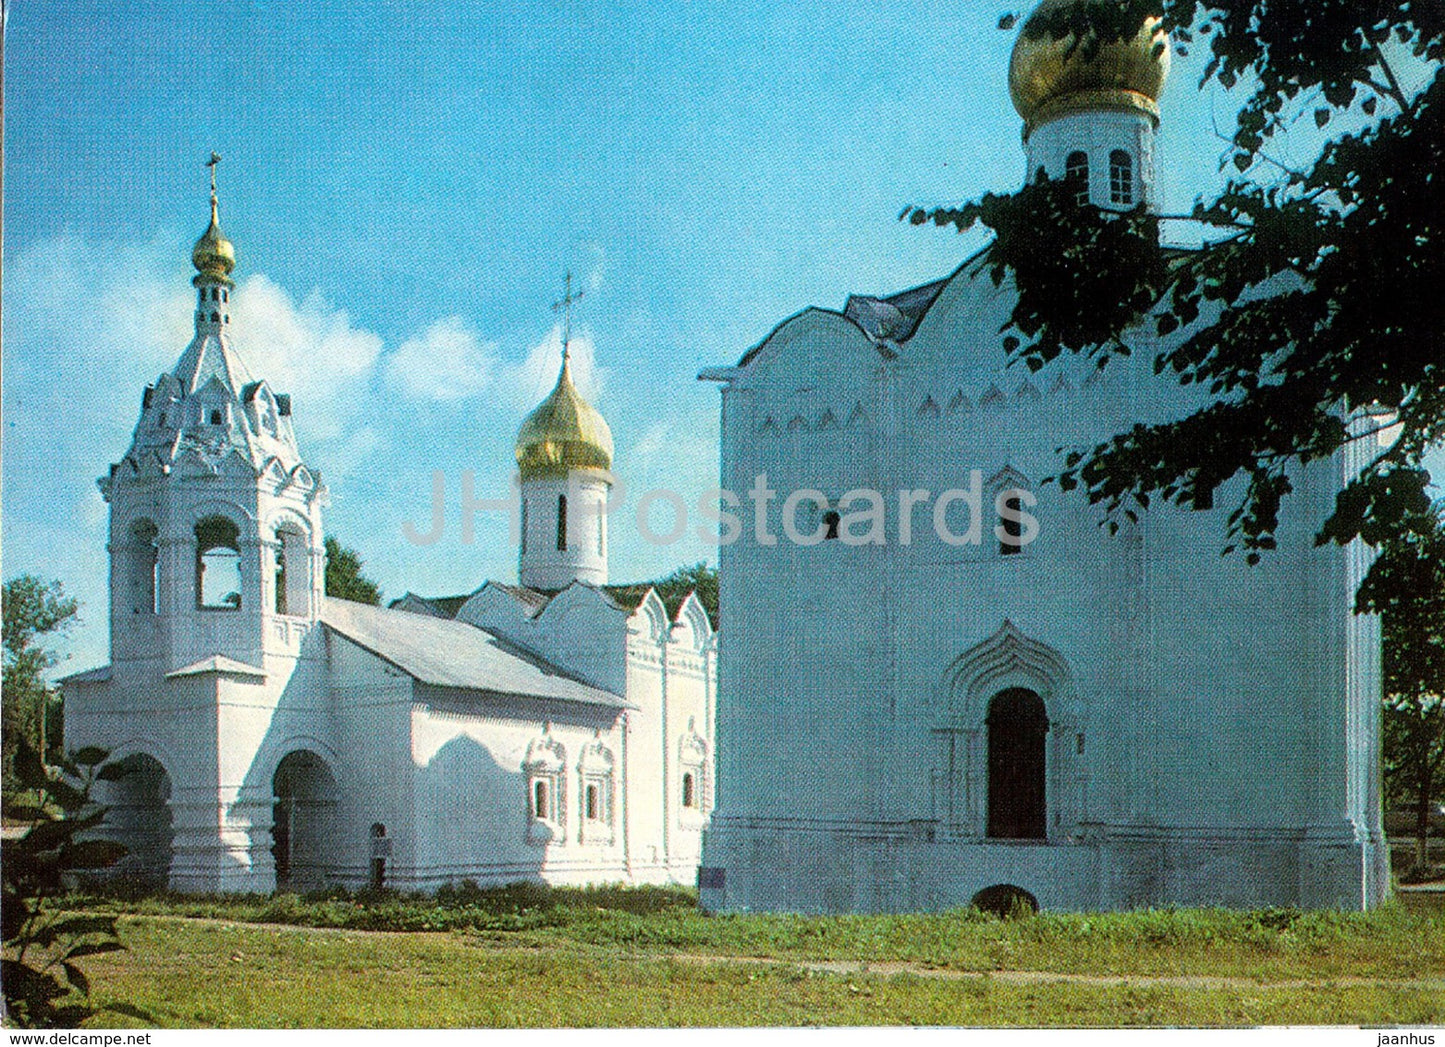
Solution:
(915, 712)
(274, 738)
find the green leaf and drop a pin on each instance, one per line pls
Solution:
(89, 756)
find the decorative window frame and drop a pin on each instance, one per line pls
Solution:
(595, 770)
(692, 758)
(1007, 479)
(546, 763)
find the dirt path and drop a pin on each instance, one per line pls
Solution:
(1181, 981)
(862, 968)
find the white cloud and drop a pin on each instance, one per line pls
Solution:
(447, 361)
(310, 350)
(527, 382)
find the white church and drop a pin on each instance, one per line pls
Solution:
(557, 730)
(913, 722)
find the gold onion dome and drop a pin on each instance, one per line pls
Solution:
(214, 256)
(563, 434)
(1049, 77)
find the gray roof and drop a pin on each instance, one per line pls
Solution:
(446, 653)
(218, 663)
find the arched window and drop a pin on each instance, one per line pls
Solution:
(215, 318)
(545, 771)
(1076, 173)
(1121, 178)
(693, 762)
(523, 528)
(218, 565)
(144, 567)
(561, 523)
(293, 570)
(595, 770)
(1013, 529)
(831, 520)
(1017, 727)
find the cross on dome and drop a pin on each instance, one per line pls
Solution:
(565, 307)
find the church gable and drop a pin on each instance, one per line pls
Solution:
(816, 345)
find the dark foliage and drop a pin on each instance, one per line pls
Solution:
(43, 946)
(699, 578)
(1313, 317)
(344, 579)
(30, 707)
(1409, 593)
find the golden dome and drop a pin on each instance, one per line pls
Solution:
(564, 433)
(1045, 80)
(214, 256)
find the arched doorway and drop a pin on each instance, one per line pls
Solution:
(303, 830)
(1017, 726)
(138, 814)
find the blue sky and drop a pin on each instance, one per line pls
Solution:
(407, 183)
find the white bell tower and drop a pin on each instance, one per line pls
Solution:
(216, 546)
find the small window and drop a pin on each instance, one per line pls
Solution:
(1076, 172)
(1014, 529)
(215, 417)
(215, 318)
(227, 318)
(539, 800)
(1121, 178)
(523, 528)
(689, 790)
(561, 523)
(831, 520)
(594, 810)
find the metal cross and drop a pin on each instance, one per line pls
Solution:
(211, 163)
(565, 308)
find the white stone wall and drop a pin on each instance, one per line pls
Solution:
(541, 564)
(1200, 747)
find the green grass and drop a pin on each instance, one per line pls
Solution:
(194, 973)
(1280, 944)
(531, 956)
